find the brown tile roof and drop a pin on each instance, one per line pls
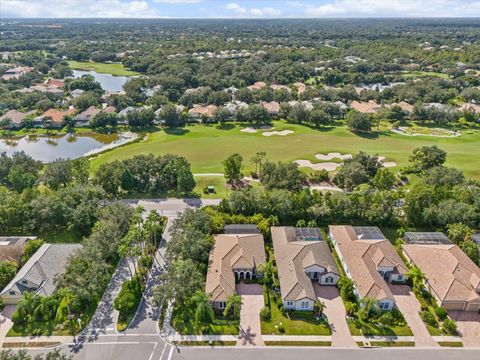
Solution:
(293, 256)
(57, 116)
(369, 107)
(87, 114)
(363, 257)
(280, 87)
(199, 110)
(404, 106)
(257, 86)
(470, 107)
(272, 107)
(451, 274)
(301, 87)
(231, 251)
(16, 116)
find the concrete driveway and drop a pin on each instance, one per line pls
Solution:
(6, 322)
(252, 303)
(408, 304)
(335, 312)
(468, 323)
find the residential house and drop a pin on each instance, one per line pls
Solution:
(303, 259)
(451, 276)
(76, 93)
(276, 87)
(11, 247)
(233, 106)
(257, 86)
(301, 87)
(404, 106)
(370, 107)
(16, 73)
(272, 107)
(474, 108)
(233, 256)
(84, 117)
(38, 273)
(370, 261)
(56, 116)
(122, 115)
(16, 118)
(200, 111)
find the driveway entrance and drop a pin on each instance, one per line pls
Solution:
(468, 324)
(252, 303)
(335, 312)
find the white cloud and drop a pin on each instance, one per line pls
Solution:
(76, 9)
(271, 11)
(295, 3)
(256, 12)
(237, 9)
(394, 8)
(178, 1)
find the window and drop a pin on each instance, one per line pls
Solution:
(304, 305)
(222, 305)
(289, 303)
(11, 292)
(329, 280)
(383, 305)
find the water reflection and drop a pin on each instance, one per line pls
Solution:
(109, 82)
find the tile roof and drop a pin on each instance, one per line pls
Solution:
(369, 107)
(231, 251)
(293, 256)
(16, 116)
(257, 86)
(363, 256)
(57, 116)
(199, 110)
(41, 269)
(451, 274)
(87, 114)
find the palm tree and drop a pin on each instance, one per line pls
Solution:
(417, 277)
(138, 216)
(319, 307)
(153, 220)
(26, 306)
(203, 309)
(234, 303)
(367, 308)
(268, 273)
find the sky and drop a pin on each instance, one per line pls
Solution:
(237, 9)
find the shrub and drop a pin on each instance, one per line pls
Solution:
(441, 313)
(398, 318)
(265, 313)
(387, 318)
(281, 328)
(449, 326)
(428, 318)
(351, 308)
(129, 297)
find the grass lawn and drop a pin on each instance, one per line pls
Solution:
(393, 343)
(206, 146)
(434, 330)
(124, 320)
(450, 343)
(206, 343)
(357, 329)
(415, 74)
(116, 69)
(38, 344)
(66, 237)
(39, 327)
(218, 327)
(298, 343)
(293, 326)
(217, 181)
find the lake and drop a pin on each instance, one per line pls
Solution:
(71, 146)
(109, 82)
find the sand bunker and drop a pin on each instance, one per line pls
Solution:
(320, 166)
(249, 130)
(333, 155)
(325, 188)
(387, 164)
(281, 133)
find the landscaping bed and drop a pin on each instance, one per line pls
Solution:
(295, 323)
(358, 328)
(393, 343)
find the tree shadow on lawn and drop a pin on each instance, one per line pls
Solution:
(369, 329)
(178, 131)
(225, 126)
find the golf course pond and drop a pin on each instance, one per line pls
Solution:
(108, 82)
(48, 148)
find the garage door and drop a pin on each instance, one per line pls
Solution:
(473, 307)
(454, 306)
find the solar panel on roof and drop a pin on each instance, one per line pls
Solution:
(241, 229)
(425, 238)
(308, 234)
(368, 233)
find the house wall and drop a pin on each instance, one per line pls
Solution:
(322, 280)
(297, 305)
(9, 299)
(389, 302)
(397, 277)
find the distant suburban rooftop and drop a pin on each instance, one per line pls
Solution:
(241, 229)
(39, 271)
(368, 233)
(426, 238)
(11, 247)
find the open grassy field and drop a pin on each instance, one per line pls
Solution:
(116, 69)
(415, 74)
(207, 146)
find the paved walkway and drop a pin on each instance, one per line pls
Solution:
(468, 324)
(408, 304)
(252, 303)
(5, 322)
(335, 312)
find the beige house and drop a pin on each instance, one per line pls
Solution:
(302, 258)
(452, 277)
(370, 107)
(404, 106)
(199, 111)
(233, 256)
(257, 86)
(272, 107)
(369, 260)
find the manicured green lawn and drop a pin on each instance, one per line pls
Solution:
(207, 146)
(393, 343)
(116, 69)
(450, 343)
(414, 74)
(298, 343)
(293, 326)
(356, 329)
(218, 327)
(37, 327)
(207, 343)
